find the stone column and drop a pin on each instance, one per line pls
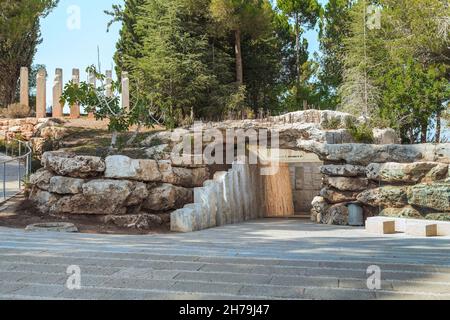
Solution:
(57, 110)
(75, 109)
(125, 91)
(41, 98)
(92, 81)
(24, 90)
(108, 87)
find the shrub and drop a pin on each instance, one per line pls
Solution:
(16, 110)
(331, 124)
(361, 132)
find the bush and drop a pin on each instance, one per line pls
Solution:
(331, 124)
(16, 110)
(361, 132)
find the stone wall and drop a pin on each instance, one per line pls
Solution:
(231, 197)
(389, 180)
(35, 130)
(126, 192)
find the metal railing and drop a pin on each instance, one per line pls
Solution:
(15, 166)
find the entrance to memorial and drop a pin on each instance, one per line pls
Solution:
(290, 191)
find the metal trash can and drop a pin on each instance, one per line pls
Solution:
(355, 215)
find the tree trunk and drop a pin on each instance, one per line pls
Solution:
(297, 59)
(424, 130)
(238, 52)
(438, 127)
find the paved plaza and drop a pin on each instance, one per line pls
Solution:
(264, 259)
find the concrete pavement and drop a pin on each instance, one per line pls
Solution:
(264, 259)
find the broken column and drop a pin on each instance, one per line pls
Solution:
(75, 108)
(93, 82)
(41, 94)
(57, 110)
(125, 91)
(24, 90)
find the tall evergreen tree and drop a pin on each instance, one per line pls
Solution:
(334, 27)
(304, 14)
(19, 37)
(248, 17)
(358, 91)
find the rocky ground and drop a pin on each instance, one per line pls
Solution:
(19, 212)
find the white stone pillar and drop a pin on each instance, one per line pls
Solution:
(75, 108)
(57, 109)
(41, 97)
(92, 81)
(108, 87)
(125, 91)
(24, 90)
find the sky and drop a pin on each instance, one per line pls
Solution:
(69, 42)
(72, 32)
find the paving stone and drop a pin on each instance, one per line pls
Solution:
(200, 287)
(224, 277)
(338, 294)
(138, 284)
(304, 281)
(273, 291)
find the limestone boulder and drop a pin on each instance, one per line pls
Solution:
(336, 196)
(41, 179)
(65, 185)
(347, 170)
(168, 197)
(385, 136)
(159, 152)
(53, 132)
(43, 199)
(139, 193)
(123, 167)
(393, 172)
(386, 197)
(438, 216)
(435, 196)
(66, 164)
(135, 221)
(364, 154)
(347, 184)
(405, 212)
(319, 209)
(98, 197)
(336, 215)
(185, 177)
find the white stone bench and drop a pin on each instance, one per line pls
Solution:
(380, 226)
(421, 230)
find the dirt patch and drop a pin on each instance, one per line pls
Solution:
(20, 212)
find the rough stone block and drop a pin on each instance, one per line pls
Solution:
(183, 220)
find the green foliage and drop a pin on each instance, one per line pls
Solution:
(361, 132)
(331, 124)
(104, 106)
(19, 37)
(358, 92)
(334, 27)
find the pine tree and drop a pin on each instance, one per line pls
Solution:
(358, 92)
(19, 38)
(305, 14)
